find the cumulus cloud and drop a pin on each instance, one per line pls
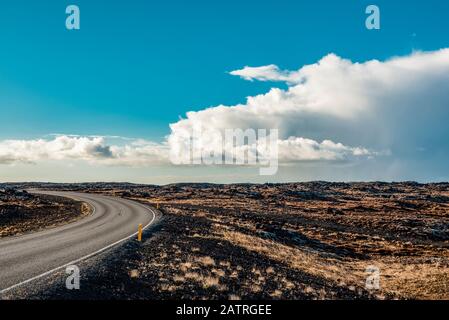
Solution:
(396, 106)
(300, 149)
(142, 153)
(333, 110)
(90, 149)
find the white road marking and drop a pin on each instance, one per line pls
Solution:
(82, 258)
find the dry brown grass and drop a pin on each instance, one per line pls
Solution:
(416, 281)
(309, 262)
(39, 212)
(298, 241)
(206, 261)
(210, 282)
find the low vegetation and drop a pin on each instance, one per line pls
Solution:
(22, 212)
(289, 241)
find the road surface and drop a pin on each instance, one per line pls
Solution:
(27, 258)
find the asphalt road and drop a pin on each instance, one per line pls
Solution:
(27, 258)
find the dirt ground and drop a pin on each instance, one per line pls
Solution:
(291, 241)
(22, 212)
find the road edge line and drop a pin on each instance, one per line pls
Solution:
(82, 258)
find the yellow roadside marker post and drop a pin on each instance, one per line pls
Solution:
(158, 205)
(139, 234)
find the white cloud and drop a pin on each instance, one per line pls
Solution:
(396, 105)
(267, 73)
(90, 149)
(300, 149)
(60, 148)
(142, 153)
(333, 110)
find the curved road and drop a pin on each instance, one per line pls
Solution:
(25, 258)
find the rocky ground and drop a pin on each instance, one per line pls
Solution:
(290, 241)
(22, 212)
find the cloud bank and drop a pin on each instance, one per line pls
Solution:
(91, 149)
(393, 107)
(333, 110)
(142, 153)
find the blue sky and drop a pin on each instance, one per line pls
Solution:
(136, 66)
